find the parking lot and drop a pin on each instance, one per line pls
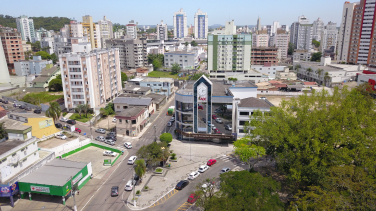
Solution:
(95, 156)
(219, 126)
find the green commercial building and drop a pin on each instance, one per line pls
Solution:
(56, 178)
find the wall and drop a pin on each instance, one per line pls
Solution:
(280, 93)
(69, 146)
(242, 93)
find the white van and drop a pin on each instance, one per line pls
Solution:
(132, 159)
(129, 185)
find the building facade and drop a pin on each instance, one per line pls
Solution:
(162, 33)
(201, 25)
(180, 24)
(133, 53)
(91, 31)
(304, 40)
(13, 50)
(105, 27)
(264, 56)
(281, 41)
(34, 66)
(25, 26)
(317, 28)
(345, 31)
(329, 37)
(294, 33)
(131, 28)
(260, 40)
(90, 78)
(186, 60)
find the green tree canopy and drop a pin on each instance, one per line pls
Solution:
(54, 111)
(316, 43)
(153, 153)
(108, 110)
(175, 69)
(198, 75)
(54, 58)
(152, 57)
(194, 43)
(165, 137)
(140, 167)
(55, 85)
(316, 57)
(291, 48)
(43, 54)
(36, 46)
(124, 77)
(156, 64)
(232, 79)
(3, 133)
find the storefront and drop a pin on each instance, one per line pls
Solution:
(9, 191)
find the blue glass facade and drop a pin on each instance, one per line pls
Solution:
(201, 26)
(180, 26)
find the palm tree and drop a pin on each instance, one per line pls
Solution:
(326, 77)
(79, 109)
(140, 168)
(85, 109)
(54, 111)
(319, 71)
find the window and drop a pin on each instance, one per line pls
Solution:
(118, 106)
(242, 122)
(134, 122)
(125, 107)
(244, 113)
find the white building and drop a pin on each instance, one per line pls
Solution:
(40, 34)
(275, 27)
(80, 45)
(304, 40)
(281, 41)
(25, 26)
(106, 30)
(270, 71)
(260, 40)
(5, 78)
(162, 33)
(345, 31)
(131, 28)
(318, 27)
(48, 42)
(186, 60)
(119, 34)
(27, 67)
(180, 24)
(73, 29)
(294, 33)
(329, 37)
(201, 23)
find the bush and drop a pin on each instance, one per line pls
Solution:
(158, 170)
(173, 156)
(146, 187)
(166, 137)
(65, 113)
(138, 192)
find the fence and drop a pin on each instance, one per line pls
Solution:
(280, 93)
(70, 146)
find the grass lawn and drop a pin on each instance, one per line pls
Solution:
(83, 118)
(158, 170)
(162, 74)
(42, 97)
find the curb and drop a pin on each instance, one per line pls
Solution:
(142, 208)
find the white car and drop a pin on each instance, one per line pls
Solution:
(169, 124)
(63, 119)
(61, 136)
(129, 185)
(132, 159)
(128, 145)
(109, 153)
(203, 168)
(193, 175)
(172, 119)
(114, 120)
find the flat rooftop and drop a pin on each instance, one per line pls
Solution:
(7, 145)
(150, 79)
(219, 87)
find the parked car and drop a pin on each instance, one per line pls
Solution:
(128, 145)
(67, 127)
(78, 130)
(193, 198)
(63, 119)
(262, 98)
(200, 107)
(100, 130)
(16, 105)
(109, 153)
(61, 136)
(58, 125)
(21, 107)
(193, 175)
(169, 124)
(172, 119)
(37, 111)
(228, 127)
(129, 185)
(132, 159)
(114, 119)
(218, 110)
(225, 169)
(100, 138)
(1, 100)
(203, 168)
(217, 131)
(214, 116)
(115, 191)
(111, 137)
(110, 142)
(71, 121)
(182, 184)
(111, 134)
(219, 120)
(5, 101)
(204, 120)
(28, 109)
(211, 162)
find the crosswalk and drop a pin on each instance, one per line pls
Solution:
(233, 160)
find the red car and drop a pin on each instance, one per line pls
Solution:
(78, 130)
(211, 162)
(214, 116)
(192, 198)
(217, 131)
(200, 107)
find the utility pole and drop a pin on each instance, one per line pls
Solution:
(74, 195)
(134, 188)
(155, 133)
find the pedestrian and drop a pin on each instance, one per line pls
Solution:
(78, 192)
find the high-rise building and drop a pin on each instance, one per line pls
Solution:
(304, 39)
(162, 33)
(318, 26)
(285, 28)
(294, 33)
(201, 25)
(230, 28)
(91, 31)
(105, 27)
(275, 27)
(281, 41)
(180, 24)
(131, 28)
(269, 30)
(345, 31)
(73, 29)
(90, 78)
(40, 34)
(25, 26)
(3, 66)
(329, 37)
(13, 49)
(133, 53)
(260, 40)
(258, 28)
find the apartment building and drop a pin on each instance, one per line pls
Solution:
(260, 40)
(90, 78)
(317, 28)
(34, 66)
(281, 41)
(345, 31)
(201, 25)
(304, 39)
(264, 56)
(105, 27)
(133, 53)
(48, 42)
(91, 31)
(180, 24)
(329, 37)
(41, 33)
(186, 60)
(73, 29)
(3, 66)
(294, 33)
(162, 33)
(131, 28)
(13, 49)
(25, 26)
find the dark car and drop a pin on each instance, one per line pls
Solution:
(21, 107)
(1, 100)
(111, 134)
(204, 119)
(71, 121)
(37, 111)
(182, 184)
(5, 101)
(58, 125)
(28, 109)
(115, 191)
(111, 138)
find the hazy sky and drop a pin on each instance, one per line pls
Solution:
(151, 12)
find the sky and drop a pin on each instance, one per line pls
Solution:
(151, 12)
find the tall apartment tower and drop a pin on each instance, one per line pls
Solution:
(3, 66)
(25, 26)
(201, 25)
(294, 33)
(162, 33)
(329, 37)
(258, 24)
(180, 24)
(345, 31)
(318, 27)
(12, 48)
(281, 41)
(304, 39)
(230, 28)
(131, 28)
(260, 40)
(275, 27)
(90, 78)
(92, 31)
(105, 27)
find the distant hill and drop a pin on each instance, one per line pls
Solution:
(49, 23)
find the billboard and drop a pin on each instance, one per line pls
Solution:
(7, 191)
(45, 123)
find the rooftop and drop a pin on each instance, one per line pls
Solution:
(41, 78)
(219, 87)
(7, 145)
(133, 101)
(253, 102)
(129, 112)
(57, 173)
(11, 124)
(28, 115)
(180, 52)
(150, 79)
(48, 72)
(156, 98)
(135, 88)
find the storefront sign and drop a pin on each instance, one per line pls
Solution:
(40, 189)
(6, 191)
(76, 179)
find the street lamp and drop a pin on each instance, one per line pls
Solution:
(155, 133)
(134, 187)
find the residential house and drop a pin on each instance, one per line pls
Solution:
(46, 75)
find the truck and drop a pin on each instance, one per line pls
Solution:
(171, 110)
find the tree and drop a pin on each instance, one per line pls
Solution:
(242, 190)
(152, 57)
(85, 109)
(36, 46)
(312, 133)
(249, 147)
(194, 43)
(28, 54)
(186, 44)
(54, 58)
(55, 84)
(316, 57)
(140, 167)
(156, 64)
(291, 48)
(43, 54)
(165, 137)
(54, 111)
(3, 133)
(319, 71)
(197, 76)
(79, 109)
(316, 43)
(326, 78)
(175, 69)
(124, 77)
(297, 67)
(153, 153)
(233, 79)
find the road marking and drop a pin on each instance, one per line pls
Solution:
(165, 198)
(184, 206)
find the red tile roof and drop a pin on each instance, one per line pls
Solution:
(309, 83)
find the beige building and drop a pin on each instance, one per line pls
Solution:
(92, 78)
(26, 47)
(92, 31)
(285, 74)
